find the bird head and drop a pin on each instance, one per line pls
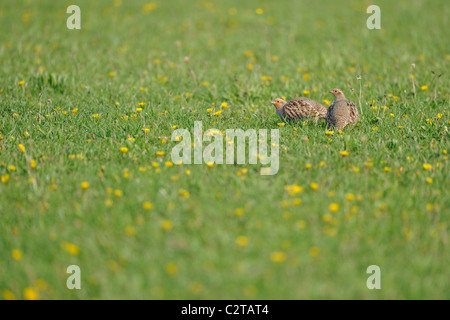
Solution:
(337, 93)
(278, 103)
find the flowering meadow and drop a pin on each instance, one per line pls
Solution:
(86, 122)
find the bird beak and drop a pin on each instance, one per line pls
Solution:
(273, 102)
(330, 91)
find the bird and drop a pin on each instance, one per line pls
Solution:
(299, 109)
(341, 112)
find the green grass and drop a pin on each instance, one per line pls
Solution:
(393, 219)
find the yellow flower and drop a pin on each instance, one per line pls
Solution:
(350, 196)
(327, 102)
(112, 74)
(205, 83)
(146, 130)
(21, 147)
(160, 153)
(147, 205)
(242, 241)
(387, 169)
(17, 254)
(424, 88)
(429, 180)
(129, 230)
(306, 76)
(308, 166)
(217, 113)
(8, 295)
(334, 207)
(70, 248)
(293, 189)
(30, 293)
(85, 185)
(210, 164)
(171, 268)
(184, 193)
(141, 104)
(169, 164)
(344, 153)
(314, 186)
(281, 124)
(329, 133)
(239, 212)
(5, 178)
(166, 225)
(278, 256)
(12, 168)
(96, 116)
(21, 83)
(306, 92)
(138, 110)
(250, 66)
(314, 251)
(427, 166)
(124, 149)
(259, 11)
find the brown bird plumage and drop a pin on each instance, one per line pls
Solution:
(341, 112)
(299, 109)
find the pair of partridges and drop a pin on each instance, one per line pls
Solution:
(339, 114)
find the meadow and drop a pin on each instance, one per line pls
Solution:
(86, 118)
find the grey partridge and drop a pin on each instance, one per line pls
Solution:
(341, 112)
(299, 109)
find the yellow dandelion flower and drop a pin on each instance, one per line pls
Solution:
(429, 180)
(306, 76)
(8, 295)
(146, 130)
(169, 164)
(129, 230)
(329, 133)
(278, 256)
(21, 147)
(281, 124)
(344, 153)
(85, 185)
(424, 88)
(71, 248)
(306, 92)
(314, 251)
(160, 153)
(293, 189)
(259, 11)
(5, 178)
(171, 268)
(184, 193)
(166, 225)
(350, 196)
(314, 186)
(21, 83)
(147, 205)
(427, 166)
(387, 169)
(30, 293)
(16, 254)
(239, 212)
(242, 241)
(210, 164)
(112, 74)
(334, 207)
